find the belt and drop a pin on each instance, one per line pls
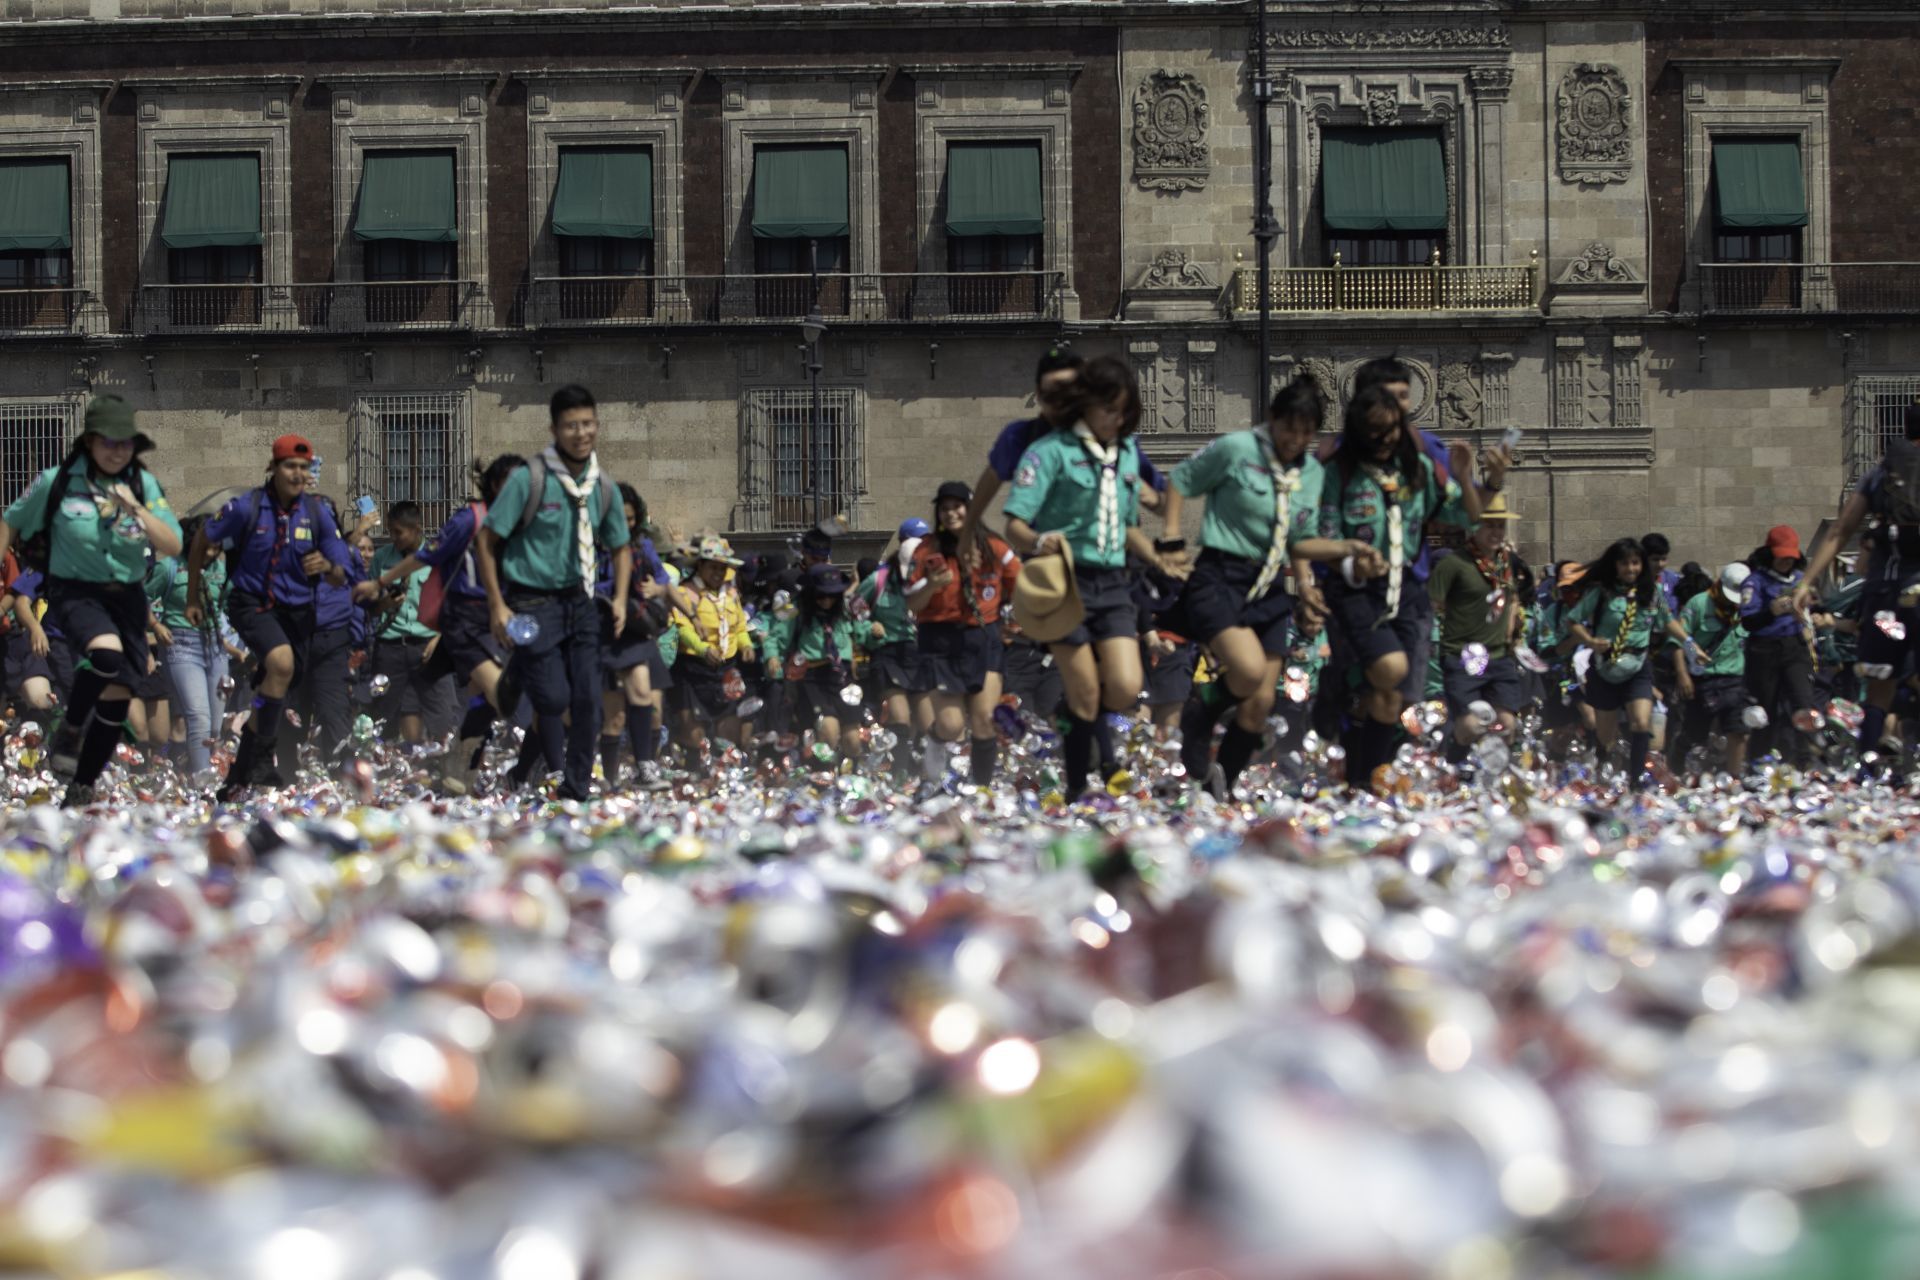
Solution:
(412, 642)
(536, 594)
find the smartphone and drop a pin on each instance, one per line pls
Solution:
(313, 468)
(364, 504)
(1510, 439)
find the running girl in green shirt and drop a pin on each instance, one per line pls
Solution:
(101, 511)
(1262, 492)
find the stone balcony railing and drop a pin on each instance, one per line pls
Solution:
(352, 307)
(35, 310)
(1759, 288)
(1433, 287)
(598, 301)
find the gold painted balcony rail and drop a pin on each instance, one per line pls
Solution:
(1433, 287)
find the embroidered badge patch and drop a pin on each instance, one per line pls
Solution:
(1027, 477)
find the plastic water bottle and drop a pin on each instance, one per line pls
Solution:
(523, 629)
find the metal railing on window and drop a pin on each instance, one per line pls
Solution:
(552, 301)
(34, 435)
(412, 447)
(1432, 287)
(1876, 416)
(324, 308)
(34, 309)
(1871, 288)
(795, 468)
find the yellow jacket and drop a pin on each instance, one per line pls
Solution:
(718, 622)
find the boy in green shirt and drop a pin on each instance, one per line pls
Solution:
(536, 555)
(403, 645)
(1712, 680)
(1478, 610)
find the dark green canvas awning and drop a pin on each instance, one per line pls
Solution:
(604, 191)
(212, 201)
(1757, 182)
(993, 189)
(800, 193)
(1383, 180)
(35, 206)
(407, 195)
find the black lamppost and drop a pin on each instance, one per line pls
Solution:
(811, 329)
(1266, 228)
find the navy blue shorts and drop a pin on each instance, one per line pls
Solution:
(85, 611)
(1607, 695)
(697, 688)
(955, 657)
(1215, 600)
(1723, 700)
(816, 695)
(1876, 647)
(899, 666)
(23, 664)
(1169, 675)
(1107, 595)
(1360, 613)
(466, 639)
(264, 628)
(1500, 685)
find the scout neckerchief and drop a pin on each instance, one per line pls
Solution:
(1499, 575)
(1285, 484)
(1619, 643)
(1725, 613)
(1389, 485)
(1107, 535)
(701, 596)
(580, 493)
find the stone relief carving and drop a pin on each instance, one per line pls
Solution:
(1596, 139)
(1175, 269)
(1177, 387)
(1383, 106)
(1170, 121)
(1395, 38)
(1460, 397)
(1598, 265)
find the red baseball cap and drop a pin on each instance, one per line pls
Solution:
(1783, 542)
(292, 447)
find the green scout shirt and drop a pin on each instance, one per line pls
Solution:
(1838, 648)
(170, 600)
(547, 557)
(1056, 488)
(1460, 593)
(88, 546)
(888, 608)
(1601, 612)
(404, 623)
(1233, 475)
(788, 639)
(1360, 510)
(1723, 640)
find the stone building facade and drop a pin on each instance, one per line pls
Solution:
(1578, 292)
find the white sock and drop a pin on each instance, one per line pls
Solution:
(933, 759)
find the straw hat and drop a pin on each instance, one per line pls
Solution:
(1496, 509)
(1046, 597)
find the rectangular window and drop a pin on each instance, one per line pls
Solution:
(605, 256)
(799, 467)
(33, 284)
(36, 243)
(996, 213)
(33, 437)
(214, 265)
(412, 447)
(800, 208)
(406, 216)
(408, 260)
(603, 211)
(1383, 196)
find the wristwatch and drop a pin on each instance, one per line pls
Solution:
(1169, 544)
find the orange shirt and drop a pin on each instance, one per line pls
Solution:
(992, 583)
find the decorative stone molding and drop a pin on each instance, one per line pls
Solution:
(1178, 392)
(1627, 410)
(1597, 265)
(1391, 38)
(1496, 390)
(1174, 269)
(1383, 107)
(1490, 81)
(1591, 449)
(1597, 382)
(1461, 399)
(1170, 122)
(1596, 130)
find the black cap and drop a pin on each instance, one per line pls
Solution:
(816, 541)
(824, 579)
(957, 490)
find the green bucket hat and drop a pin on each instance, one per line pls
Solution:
(111, 418)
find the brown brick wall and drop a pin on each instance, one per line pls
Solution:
(1873, 131)
(119, 204)
(508, 246)
(703, 181)
(311, 150)
(899, 177)
(1096, 185)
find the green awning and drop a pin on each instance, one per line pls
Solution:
(1383, 180)
(212, 201)
(35, 211)
(604, 191)
(799, 193)
(993, 189)
(407, 195)
(1757, 182)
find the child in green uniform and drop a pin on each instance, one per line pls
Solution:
(1078, 490)
(1262, 523)
(1713, 684)
(1616, 618)
(816, 646)
(1382, 489)
(402, 643)
(890, 640)
(196, 661)
(1477, 615)
(102, 512)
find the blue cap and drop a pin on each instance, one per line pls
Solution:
(914, 528)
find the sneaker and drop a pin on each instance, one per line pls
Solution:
(651, 777)
(506, 695)
(78, 797)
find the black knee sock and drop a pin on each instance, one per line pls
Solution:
(610, 755)
(264, 724)
(640, 735)
(1637, 745)
(103, 735)
(530, 753)
(478, 720)
(1371, 745)
(1457, 751)
(1872, 725)
(1076, 751)
(1103, 738)
(91, 675)
(1236, 749)
(986, 755)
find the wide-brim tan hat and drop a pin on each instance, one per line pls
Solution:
(1046, 598)
(1496, 509)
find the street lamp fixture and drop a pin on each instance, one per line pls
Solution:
(812, 329)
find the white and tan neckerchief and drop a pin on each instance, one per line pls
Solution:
(1389, 484)
(1285, 484)
(1108, 534)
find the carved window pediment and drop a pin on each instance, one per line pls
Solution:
(1170, 123)
(1595, 121)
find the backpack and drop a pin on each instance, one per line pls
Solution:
(41, 540)
(433, 592)
(537, 473)
(1900, 496)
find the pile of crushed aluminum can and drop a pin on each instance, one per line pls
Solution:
(784, 1021)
